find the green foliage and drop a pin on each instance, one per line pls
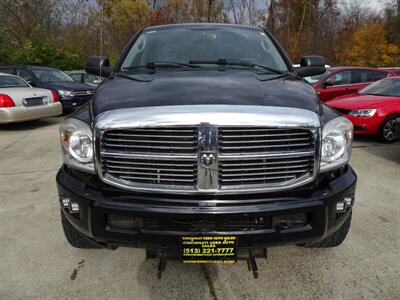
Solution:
(40, 53)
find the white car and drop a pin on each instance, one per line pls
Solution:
(21, 102)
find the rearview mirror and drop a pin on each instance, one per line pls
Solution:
(311, 66)
(98, 65)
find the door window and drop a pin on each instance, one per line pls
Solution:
(76, 77)
(340, 78)
(24, 75)
(366, 76)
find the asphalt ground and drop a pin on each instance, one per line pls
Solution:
(36, 262)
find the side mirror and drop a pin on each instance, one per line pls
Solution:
(98, 65)
(327, 83)
(311, 66)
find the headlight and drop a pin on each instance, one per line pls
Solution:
(362, 112)
(337, 138)
(77, 144)
(64, 93)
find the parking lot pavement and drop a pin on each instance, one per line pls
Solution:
(36, 262)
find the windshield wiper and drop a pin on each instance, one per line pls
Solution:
(160, 64)
(232, 62)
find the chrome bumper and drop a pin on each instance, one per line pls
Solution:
(22, 113)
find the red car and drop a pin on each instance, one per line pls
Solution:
(339, 81)
(374, 109)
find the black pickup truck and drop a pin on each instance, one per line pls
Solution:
(205, 144)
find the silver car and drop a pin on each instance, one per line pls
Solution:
(21, 102)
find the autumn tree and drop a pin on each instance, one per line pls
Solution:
(370, 48)
(122, 18)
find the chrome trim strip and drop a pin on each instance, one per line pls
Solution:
(211, 117)
(216, 115)
(266, 155)
(148, 156)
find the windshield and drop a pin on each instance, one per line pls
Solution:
(51, 75)
(384, 87)
(313, 79)
(12, 81)
(190, 44)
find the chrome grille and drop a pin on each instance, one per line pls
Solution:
(83, 93)
(269, 171)
(150, 171)
(243, 140)
(241, 148)
(152, 140)
(152, 157)
(169, 158)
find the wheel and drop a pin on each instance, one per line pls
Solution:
(74, 237)
(333, 240)
(387, 130)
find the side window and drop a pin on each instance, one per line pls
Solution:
(24, 75)
(76, 77)
(378, 75)
(89, 78)
(340, 78)
(361, 76)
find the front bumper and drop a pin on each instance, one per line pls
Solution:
(22, 113)
(97, 203)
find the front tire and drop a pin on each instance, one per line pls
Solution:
(387, 130)
(74, 237)
(333, 240)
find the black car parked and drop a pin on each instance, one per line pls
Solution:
(72, 94)
(205, 144)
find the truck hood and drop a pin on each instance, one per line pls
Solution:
(204, 87)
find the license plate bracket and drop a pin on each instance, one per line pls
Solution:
(209, 249)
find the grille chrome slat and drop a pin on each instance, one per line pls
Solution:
(227, 164)
(148, 147)
(268, 141)
(264, 135)
(263, 167)
(144, 163)
(264, 146)
(259, 178)
(109, 167)
(149, 173)
(150, 141)
(223, 175)
(155, 179)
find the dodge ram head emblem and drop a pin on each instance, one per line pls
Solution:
(207, 158)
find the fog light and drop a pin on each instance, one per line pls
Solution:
(125, 222)
(73, 207)
(289, 221)
(340, 206)
(65, 202)
(348, 201)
